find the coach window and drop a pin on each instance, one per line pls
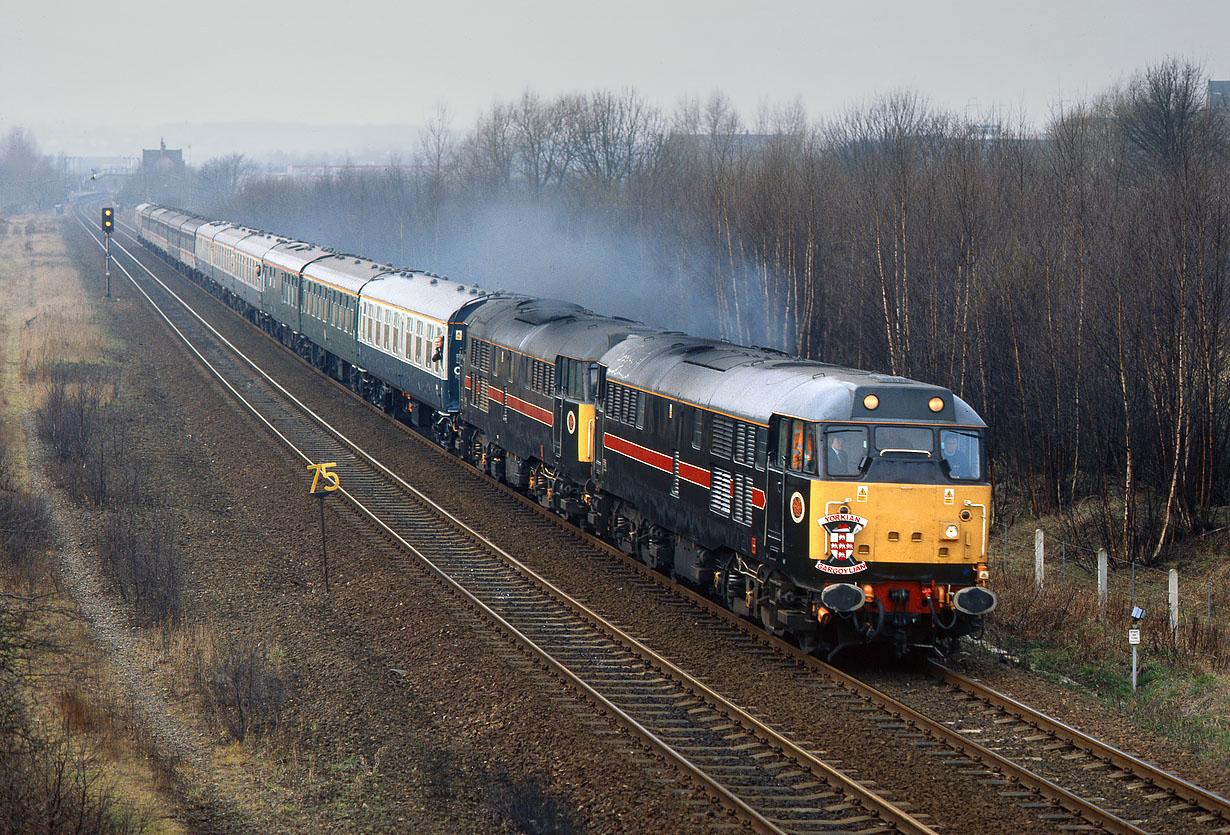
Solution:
(437, 347)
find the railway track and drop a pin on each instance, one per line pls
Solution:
(766, 779)
(1057, 807)
(1155, 799)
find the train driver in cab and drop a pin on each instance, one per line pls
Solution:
(959, 452)
(839, 458)
(844, 451)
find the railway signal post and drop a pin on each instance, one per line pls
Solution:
(108, 226)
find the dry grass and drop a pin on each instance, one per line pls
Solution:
(76, 714)
(1184, 675)
(48, 307)
(238, 681)
(72, 692)
(219, 688)
(46, 319)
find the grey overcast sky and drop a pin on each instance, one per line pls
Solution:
(111, 63)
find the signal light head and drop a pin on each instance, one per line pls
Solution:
(108, 219)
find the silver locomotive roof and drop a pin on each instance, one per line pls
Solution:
(753, 384)
(546, 328)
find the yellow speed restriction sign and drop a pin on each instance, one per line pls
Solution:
(1133, 636)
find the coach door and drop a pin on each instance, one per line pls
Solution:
(456, 341)
(573, 429)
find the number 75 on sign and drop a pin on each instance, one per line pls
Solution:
(331, 479)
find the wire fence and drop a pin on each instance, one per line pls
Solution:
(1069, 564)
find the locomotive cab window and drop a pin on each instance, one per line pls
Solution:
(902, 440)
(802, 447)
(844, 451)
(578, 380)
(961, 454)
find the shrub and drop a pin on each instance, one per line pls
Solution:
(241, 684)
(25, 533)
(139, 559)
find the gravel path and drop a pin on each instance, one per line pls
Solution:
(176, 745)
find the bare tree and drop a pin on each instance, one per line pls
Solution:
(219, 179)
(543, 143)
(615, 136)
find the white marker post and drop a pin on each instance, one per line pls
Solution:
(1102, 561)
(1174, 600)
(1039, 550)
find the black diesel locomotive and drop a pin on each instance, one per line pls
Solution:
(839, 506)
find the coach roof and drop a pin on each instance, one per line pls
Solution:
(293, 256)
(428, 295)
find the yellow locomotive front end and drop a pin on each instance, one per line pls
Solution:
(886, 526)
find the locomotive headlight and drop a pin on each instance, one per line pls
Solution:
(870, 402)
(936, 404)
(951, 532)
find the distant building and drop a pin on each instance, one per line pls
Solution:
(1219, 94)
(163, 158)
(163, 176)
